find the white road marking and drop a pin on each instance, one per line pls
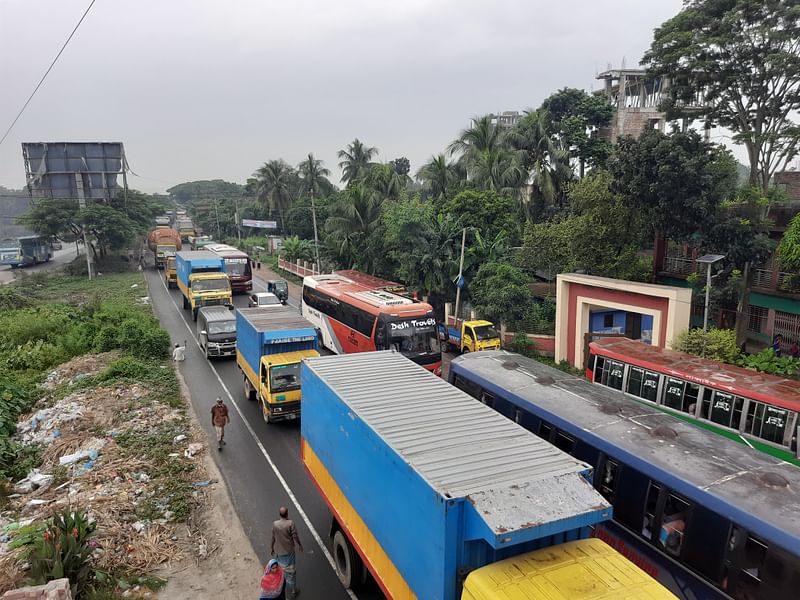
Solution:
(252, 432)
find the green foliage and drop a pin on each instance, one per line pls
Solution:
(191, 191)
(11, 298)
(521, 344)
(353, 230)
(294, 248)
(676, 182)
(64, 551)
(715, 344)
(356, 160)
(767, 361)
(741, 58)
(500, 293)
(485, 211)
(789, 247)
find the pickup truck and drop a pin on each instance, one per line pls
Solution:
(470, 336)
(440, 496)
(270, 343)
(201, 280)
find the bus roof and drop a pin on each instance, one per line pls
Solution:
(462, 448)
(730, 378)
(371, 282)
(224, 250)
(371, 299)
(760, 492)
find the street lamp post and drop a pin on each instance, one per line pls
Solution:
(709, 260)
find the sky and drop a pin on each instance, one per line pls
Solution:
(205, 89)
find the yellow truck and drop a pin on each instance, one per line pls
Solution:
(201, 280)
(270, 345)
(470, 336)
(171, 273)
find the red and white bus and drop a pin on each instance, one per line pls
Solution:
(236, 266)
(359, 316)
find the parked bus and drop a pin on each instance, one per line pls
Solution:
(236, 266)
(707, 517)
(358, 318)
(25, 251)
(753, 408)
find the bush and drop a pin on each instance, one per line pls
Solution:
(767, 361)
(522, 345)
(715, 344)
(64, 550)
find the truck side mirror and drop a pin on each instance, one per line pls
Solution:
(203, 332)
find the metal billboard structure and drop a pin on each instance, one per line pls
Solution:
(75, 170)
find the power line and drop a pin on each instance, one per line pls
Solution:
(46, 73)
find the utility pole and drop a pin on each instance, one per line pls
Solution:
(460, 273)
(216, 212)
(314, 218)
(236, 216)
(81, 206)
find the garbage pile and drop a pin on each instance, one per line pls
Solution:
(114, 452)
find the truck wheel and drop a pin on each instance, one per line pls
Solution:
(265, 414)
(205, 349)
(194, 314)
(349, 566)
(465, 350)
(185, 303)
(249, 392)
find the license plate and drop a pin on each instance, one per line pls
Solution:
(291, 416)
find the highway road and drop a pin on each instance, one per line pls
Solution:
(60, 258)
(260, 463)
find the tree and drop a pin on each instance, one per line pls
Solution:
(314, 177)
(439, 177)
(401, 165)
(293, 248)
(190, 191)
(677, 180)
(715, 344)
(356, 161)
(385, 181)
(740, 60)
(482, 136)
(354, 219)
(789, 247)
(485, 211)
(575, 117)
(500, 293)
(275, 182)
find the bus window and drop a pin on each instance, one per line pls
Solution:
(608, 480)
(599, 362)
(630, 492)
(564, 442)
(673, 524)
(586, 452)
(767, 422)
(690, 399)
(635, 377)
(545, 430)
(750, 563)
(517, 415)
(704, 542)
(615, 374)
(650, 510)
(487, 399)
(643, 384)
(722, 408)
(467, 386)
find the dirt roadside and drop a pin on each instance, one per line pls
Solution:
(231, 569)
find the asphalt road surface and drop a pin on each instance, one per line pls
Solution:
(260, 463)
(60, 258)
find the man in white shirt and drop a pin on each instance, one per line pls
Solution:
(179, 353)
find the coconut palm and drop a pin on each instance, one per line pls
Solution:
(385, 181)
(481, 137)
(275, 184)
(356, 161)
(353, 220)
(313, 177)
(439, 176)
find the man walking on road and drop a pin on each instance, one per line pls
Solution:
(220, 418)
(284, 541)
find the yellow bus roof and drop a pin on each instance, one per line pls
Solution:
(288, 358)
(582, 570)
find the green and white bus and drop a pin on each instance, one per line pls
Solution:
(753, 408)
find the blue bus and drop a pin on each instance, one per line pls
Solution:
(24, 251)
(706, 516)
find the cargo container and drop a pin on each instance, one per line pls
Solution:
(270, 343)
(443, 498)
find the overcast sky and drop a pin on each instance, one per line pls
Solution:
(203, 89)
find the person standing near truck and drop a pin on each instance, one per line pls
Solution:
(220, 418)
(284, 541)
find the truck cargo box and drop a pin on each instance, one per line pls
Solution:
(427, 482)
(275, 330)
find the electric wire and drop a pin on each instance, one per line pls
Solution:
(46, 73)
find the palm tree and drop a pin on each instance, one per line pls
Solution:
(356, 161)
(438, 176)
(353, 220)
(275, 181)
(482, 137)
(313, 176)
(385, 181)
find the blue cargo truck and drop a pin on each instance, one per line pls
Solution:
(440, 497)
(270, 344)
(201, 280)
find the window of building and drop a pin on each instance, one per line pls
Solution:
(608, 320)
(757, 319)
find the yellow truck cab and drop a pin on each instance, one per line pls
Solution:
(586, 569)
(201, 280)
(170, 273)
(471, 336)
(270, 345)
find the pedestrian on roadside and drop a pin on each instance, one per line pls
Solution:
(794, 351)
(284, 543)
(776, 344)
(220, 418)
(179, 352)
(272, 582)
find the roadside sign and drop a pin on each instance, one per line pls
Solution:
(260, 224)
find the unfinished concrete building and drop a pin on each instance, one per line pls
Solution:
(635, 99)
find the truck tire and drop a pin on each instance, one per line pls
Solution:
(194, 314)
(249, 392)
(465, 350)
(185, 303)
(349, 566)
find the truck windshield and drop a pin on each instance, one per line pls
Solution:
(412, 336)
(165, 249)
(222, 327)
(211, 285)
(486, 332)
(284, 378)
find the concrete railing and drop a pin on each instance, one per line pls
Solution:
(300, 268)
